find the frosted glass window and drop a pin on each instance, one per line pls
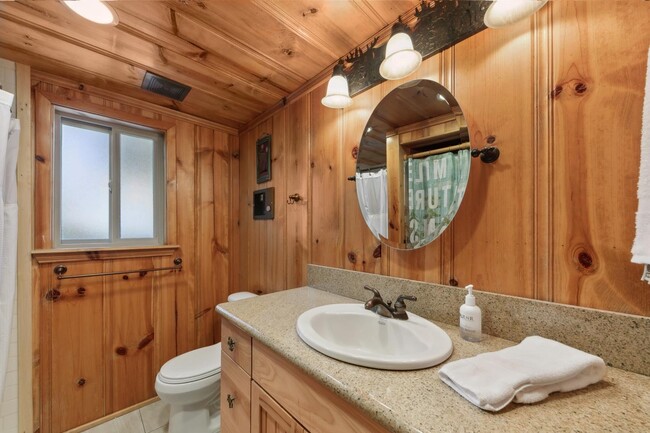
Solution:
(109, 183)
(85, 177)
(137, 166)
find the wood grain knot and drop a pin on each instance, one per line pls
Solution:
(310, 11)
(145, 341)
(39, 158)
(52, 295)
(556, 92)
(312, 164)
(125, 277)
(287, 52)
(235, 155)
(377, 252)
(352, 257)
(490, 139)
(585, 260)
(355, 152)
(81, 291)
(142, 274)
(580, 88)
(81, 382)
(82, 87)
(453, 282)
(121, 351)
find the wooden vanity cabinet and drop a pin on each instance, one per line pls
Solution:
(275, 396)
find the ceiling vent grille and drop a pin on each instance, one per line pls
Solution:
(165, 87)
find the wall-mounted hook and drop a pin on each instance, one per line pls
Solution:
(294, 198)
(488, 154)
(352, 178)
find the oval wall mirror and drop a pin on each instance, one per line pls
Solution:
(413, 164)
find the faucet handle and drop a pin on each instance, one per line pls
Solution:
(374, 291)
(399, 303)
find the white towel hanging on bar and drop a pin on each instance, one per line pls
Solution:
(641, 247)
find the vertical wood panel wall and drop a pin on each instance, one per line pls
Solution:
(561, 94)
(101, 342)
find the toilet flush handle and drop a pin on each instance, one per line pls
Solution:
(231, 401)
(231, 344)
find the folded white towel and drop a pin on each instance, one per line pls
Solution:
(525, 373)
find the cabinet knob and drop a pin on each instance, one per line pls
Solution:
(231, 401)
(231, 344)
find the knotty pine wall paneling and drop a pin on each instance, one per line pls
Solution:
(560, 94)
(327, 182)
(597, 105)
(297, 156)
(100, 342)
(497, 215)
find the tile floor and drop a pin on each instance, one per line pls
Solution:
(149, 419)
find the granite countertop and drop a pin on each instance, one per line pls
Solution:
(417, 401)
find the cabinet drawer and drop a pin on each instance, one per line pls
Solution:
(236, 344)
(235, 397)
(312, 404)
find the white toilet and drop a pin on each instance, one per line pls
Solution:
(189, 383)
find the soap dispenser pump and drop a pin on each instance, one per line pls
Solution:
(470, 317)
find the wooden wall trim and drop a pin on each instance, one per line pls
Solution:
(99, 110)
(85, 254)
(53, 79)
(543, 137)
(25, 175)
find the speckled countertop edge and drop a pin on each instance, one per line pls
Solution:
(414, 402)
(622, 340)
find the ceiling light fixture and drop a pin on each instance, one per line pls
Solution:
(502, 13)
(401, 59)
(93, 10)
(338, 92)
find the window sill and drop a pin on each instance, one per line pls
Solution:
(85, 254)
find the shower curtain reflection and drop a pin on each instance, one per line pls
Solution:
(436, 186)
(373, 200)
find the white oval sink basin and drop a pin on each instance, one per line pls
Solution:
(350, 333)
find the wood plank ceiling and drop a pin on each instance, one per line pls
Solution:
(241, 57)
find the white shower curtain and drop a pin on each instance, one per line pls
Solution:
(9, 131)
(372, 192)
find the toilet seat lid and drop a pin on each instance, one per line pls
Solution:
(191, 366)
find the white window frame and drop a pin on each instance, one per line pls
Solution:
(117, 127)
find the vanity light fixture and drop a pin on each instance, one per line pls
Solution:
(401, 59)
(338, 93)
(93, 10)
(502, 13)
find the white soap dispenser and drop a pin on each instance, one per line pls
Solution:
(470, 317)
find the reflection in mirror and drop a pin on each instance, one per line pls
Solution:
(413, 164)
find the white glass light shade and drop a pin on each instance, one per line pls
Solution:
(401, 59)
(93, 10)
(502, 13)
(338, 93)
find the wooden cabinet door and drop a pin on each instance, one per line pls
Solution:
(267, 416)
(235, 397)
